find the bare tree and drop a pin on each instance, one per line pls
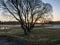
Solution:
(27, 12)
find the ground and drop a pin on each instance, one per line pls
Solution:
(37, 36)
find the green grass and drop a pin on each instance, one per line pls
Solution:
(37, 35)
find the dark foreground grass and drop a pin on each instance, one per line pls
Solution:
(37, 35)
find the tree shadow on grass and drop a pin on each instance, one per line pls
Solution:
(8, 40)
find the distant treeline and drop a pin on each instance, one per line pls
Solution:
(17, 23)
(9, 23)
(54, 22)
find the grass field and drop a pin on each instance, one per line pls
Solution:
(37, 35)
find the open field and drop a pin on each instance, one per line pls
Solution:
(37, 36)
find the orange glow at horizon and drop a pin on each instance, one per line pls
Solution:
(56, 19)
(8, 19)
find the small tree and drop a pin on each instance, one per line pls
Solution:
(27, 12)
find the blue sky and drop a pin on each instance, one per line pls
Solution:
(56, 8)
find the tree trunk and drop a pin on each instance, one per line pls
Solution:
(25, 32)
(28, 31)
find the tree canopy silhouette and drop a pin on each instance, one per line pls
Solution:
(27, 12)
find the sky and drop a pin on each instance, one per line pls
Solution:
(56, 11)
(56, 8)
